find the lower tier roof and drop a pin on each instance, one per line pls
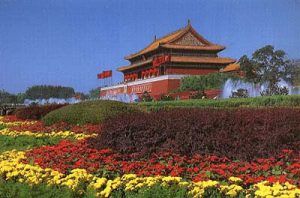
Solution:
(184, 59)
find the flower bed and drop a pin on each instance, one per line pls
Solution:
(104, 172)
(67, 155)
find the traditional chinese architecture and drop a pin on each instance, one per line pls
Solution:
(159, 67)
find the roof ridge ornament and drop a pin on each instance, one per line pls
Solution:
(189, 22)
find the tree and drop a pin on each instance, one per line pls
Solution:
(204, 82)
(48, 91)
(94, 93)
(294, 71)
(21, 97)
(6, 97)
(81, 96)
(266, 66)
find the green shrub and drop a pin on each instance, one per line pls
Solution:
(87, 112)
(270, 101)
(145, 97)
(240, 93)
(166, 97)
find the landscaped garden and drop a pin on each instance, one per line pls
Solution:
(122, 150)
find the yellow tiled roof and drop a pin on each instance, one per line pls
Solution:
(155, 44)
(166, 41)
(232, 67)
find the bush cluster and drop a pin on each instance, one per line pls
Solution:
(243, 133)
(93, 112)
(36, 112)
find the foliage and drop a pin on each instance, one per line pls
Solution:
(81, 96)
(243, 133)
(240, 93)
(36, 112)
(166, 97)
(6, 97)
(266, 101)
(2, 126)
(12, 189)
(93, 112)
(204, 82)
(275, 90)
(25, 142)
(145, 97)
(199, 95)
(294, 71)
(49, 91)
(156, 191)
(94, 93)
(266, 66)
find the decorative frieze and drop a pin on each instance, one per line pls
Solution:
(189, 39)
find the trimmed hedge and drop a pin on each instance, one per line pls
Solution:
(243, 133)
(270, 101)
(36, 112)
(93, 112)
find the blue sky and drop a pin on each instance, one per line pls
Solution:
(67, 42)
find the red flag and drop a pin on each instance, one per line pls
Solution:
(109, 73)
(100, 75)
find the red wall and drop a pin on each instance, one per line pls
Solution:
(154, 88)
(191, 71)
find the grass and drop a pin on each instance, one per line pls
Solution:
(12, 189)
(8, 143)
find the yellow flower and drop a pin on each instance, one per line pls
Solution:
(235, 179)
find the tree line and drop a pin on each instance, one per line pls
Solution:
(46, 92)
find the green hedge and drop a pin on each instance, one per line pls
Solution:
(276, 101)
(87, 112)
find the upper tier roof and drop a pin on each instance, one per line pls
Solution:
(170, 41)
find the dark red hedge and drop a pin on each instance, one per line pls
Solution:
(36, 112)
(243, 133)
